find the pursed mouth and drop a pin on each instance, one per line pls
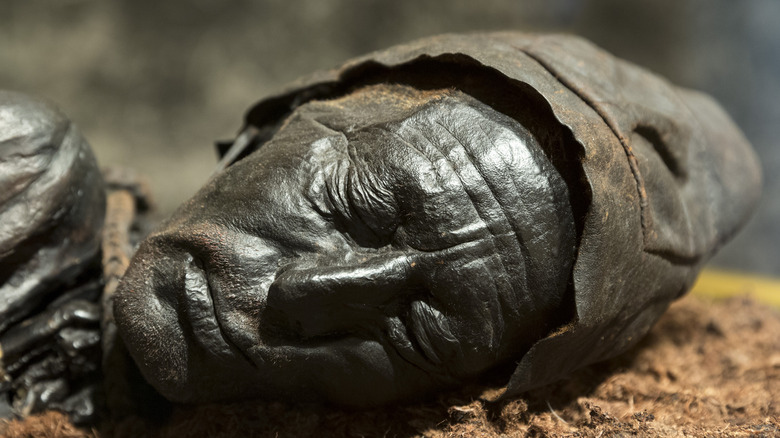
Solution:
(201, 313)
(402, 343)
(430, 346)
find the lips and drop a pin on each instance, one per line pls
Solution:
(427, 345)
(199, 309)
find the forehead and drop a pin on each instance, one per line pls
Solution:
(392, 122)
(439, 156)
(365, 128)
(429, 137)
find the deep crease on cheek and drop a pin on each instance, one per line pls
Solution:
(422, 331)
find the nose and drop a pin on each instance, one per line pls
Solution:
(216, 247)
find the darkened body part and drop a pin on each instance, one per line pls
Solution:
(393, 237)
(429, 212)
(52, 205)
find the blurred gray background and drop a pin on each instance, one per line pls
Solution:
(153, 83)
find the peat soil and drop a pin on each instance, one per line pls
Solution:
(706, 369)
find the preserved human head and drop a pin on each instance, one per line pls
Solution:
(393, 239)
(433, 211)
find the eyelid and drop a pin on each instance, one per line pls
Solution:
(373, 204)
(355, 198)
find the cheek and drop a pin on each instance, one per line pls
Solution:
(469, 285)
(433, 220)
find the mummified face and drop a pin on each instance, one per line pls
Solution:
(378, 246)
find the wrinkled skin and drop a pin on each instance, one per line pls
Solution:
(358, 243)
(518, 199)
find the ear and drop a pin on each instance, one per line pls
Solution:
(323, 299)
